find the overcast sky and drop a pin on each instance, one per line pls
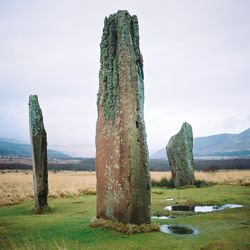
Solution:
(196, 67)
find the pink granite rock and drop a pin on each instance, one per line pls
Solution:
(122, 165)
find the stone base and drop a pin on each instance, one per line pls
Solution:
(125, 228)
(41, 210)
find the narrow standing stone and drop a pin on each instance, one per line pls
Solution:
(38, 141)
(122, 165)
(180, 156)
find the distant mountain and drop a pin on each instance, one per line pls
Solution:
(12, 147)
(222, 145)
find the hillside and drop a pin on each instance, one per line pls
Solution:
(221, 145)
(11, 147)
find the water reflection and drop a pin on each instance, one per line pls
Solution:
(178, 229)
(201, 209)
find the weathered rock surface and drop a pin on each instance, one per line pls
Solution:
(180, 156)
(122, 165)
(38, 141)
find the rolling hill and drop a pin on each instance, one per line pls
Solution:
(221, 145)
(12, 147)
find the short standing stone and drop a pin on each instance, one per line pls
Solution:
(122, 165)
(180, 156)
(38, 141)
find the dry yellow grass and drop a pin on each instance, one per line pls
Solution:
(16, 187)
(125, 228)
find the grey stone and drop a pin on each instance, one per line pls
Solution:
(180, 156)
(122, 164)
(38, 141)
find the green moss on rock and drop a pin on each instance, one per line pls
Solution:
(180, 156)
(123, 179)
(38, 139)
(108, 75)
(35, 115)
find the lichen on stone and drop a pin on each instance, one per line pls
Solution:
(123, 180)
(114, 191)
(116, 33)
(35, 115)
(38, 139)
(180, 156)
(108, 75)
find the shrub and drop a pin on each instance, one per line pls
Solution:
(164, 182)
(202, 183)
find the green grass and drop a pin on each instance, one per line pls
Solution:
(66, 226)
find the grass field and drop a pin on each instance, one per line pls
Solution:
(66, 225)
(72, 198)
(17, 187)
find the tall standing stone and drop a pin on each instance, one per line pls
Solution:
(122, 165)
(180, 156)
(38, 141)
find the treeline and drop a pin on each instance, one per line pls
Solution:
(85, 164)
(88, 164)
(201, 164)
(223, 164)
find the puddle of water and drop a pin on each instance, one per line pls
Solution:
(170, 199)
(162, 217)
(179, 208)
(201, 209)
(205, 209)
(178, 229)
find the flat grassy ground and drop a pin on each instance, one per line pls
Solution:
(66, 226)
